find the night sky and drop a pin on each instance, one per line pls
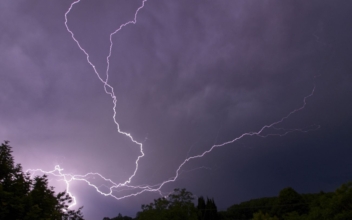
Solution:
(187, 75)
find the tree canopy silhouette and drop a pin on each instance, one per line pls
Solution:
(22, 197)
(177, 206)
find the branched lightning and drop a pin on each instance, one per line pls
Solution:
(126, 185)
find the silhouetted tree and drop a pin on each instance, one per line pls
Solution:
(335, 206)
(201, 208)
(211, 210)
(341, 203)
(177, 206)
(207, 210)
(24, 198)
(290, 201)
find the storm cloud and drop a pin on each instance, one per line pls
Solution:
(187, 75)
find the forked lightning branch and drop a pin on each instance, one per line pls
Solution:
(68, 178)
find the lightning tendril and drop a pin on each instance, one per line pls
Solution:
(126, 185)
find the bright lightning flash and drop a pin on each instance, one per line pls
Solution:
(124, 186)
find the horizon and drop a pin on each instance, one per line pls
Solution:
(230, 100)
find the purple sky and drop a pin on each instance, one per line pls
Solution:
(188, 75)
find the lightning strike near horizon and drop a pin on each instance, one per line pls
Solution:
(126, 185)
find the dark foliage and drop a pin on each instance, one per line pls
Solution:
(289, 201)
(290, 205)
(207, 210)
(24, 198)
(245, 210)
(177, 206)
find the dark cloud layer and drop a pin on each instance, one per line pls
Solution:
(188, 75)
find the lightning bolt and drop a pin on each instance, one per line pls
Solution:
(126, 185)
(108, 88)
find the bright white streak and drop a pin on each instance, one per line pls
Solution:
(110, 91)
(106, 85)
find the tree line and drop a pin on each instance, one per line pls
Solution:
(23, 197)
(288, 205)
(26, 198)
